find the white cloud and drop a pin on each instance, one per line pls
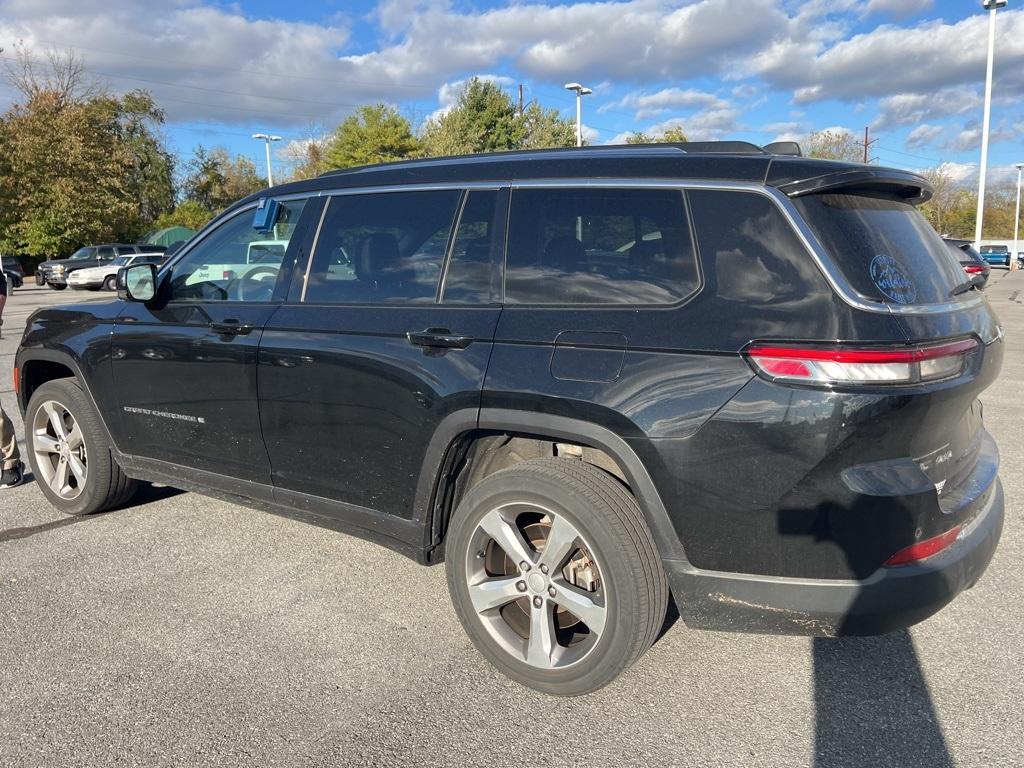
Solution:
(648, 105)
(706, 125)
(913, 108)
(923, 135)
(899, 8)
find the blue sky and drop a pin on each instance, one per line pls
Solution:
(759, 70)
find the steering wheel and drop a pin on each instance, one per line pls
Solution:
(253, 285)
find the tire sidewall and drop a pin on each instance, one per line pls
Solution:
(70, 396)
(110, 284)
(612, 653)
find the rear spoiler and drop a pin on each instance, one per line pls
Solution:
(911, 187)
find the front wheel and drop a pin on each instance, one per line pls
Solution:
(110, 284)
(69, 451)
(555, 576)
(57, 287)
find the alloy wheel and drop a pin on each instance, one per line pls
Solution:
(536, 586)
(59, 449)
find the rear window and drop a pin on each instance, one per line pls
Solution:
(885, 248)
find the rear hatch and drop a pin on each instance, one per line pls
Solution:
(895, 262)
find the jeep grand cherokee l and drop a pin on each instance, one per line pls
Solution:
(584, 379)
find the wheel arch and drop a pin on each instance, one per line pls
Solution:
(445, 458)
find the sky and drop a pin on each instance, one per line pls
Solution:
(912, 71)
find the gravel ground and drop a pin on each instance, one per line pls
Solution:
(188, 631)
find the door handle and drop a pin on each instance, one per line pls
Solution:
(439, 337)
(231, 328)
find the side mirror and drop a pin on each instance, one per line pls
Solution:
(137, 282)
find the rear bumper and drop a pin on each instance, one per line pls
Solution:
(890, 599)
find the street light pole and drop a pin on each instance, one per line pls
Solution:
(1016, 221)
(991, 6)
(581, 91)
(267, 138)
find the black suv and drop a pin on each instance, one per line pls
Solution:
(586, 379)
(55, 273)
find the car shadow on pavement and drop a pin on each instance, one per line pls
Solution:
(872, 705)
(147, 494)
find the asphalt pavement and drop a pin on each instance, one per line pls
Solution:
(188, 631)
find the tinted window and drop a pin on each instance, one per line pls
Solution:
(599, 246)
(884, 247)
(474, 272)
(106, 252)
(381, 248)
(218, 269)
(83, 253)
(750, 247)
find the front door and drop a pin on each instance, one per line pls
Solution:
(382, 338)
(185, 364)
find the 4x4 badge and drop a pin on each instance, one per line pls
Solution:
(889, 277)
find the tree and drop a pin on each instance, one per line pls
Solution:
(77, 165)
(307, 158)
(483, 119)
(639, 137)
(215, 180)
(374, 134)
(838, 144)
(543, 128)
(188, 213)
(673, 134)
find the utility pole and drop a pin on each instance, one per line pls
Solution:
(867, 145)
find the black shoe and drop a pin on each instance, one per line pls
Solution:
(12, 477)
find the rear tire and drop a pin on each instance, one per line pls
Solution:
(555, 576)
(69, 452)
(58, 287)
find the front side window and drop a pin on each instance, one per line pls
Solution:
(233, 263)
(82, 253)
(381, 248)
(106, 252)
(599, 246)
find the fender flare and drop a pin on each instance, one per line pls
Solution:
(555, 428)
(53, 356)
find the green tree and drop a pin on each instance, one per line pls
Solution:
(543, 128)
(215, 179)
(188, 213)
(374, 134)
(673, 134)
(639, 137)
(150, 181)
(483, 119)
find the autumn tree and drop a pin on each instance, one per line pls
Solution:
(188, 213)
(374, 134)
(543, 128)
(214, 179)
(836, 144)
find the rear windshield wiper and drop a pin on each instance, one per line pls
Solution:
(962, 288)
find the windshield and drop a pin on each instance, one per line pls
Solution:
(81, 253)
(884, 247)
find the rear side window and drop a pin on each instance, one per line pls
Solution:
(884, 247)
(125, 249)
(599, 246)
(382, 248)
(750, 249)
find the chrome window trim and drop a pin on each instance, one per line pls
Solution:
(803, 231)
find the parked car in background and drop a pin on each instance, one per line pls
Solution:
(583, 379)
(996, 254)
(105, 275)
(973, 265)
(55, 273)
(12, 268)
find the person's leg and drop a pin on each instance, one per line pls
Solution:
(11, 465)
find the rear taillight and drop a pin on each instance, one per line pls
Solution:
(853, 365)
(924, 549)
(973, 269)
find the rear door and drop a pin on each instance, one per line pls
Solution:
(386, 332)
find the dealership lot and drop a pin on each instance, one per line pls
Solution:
(189, 631)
